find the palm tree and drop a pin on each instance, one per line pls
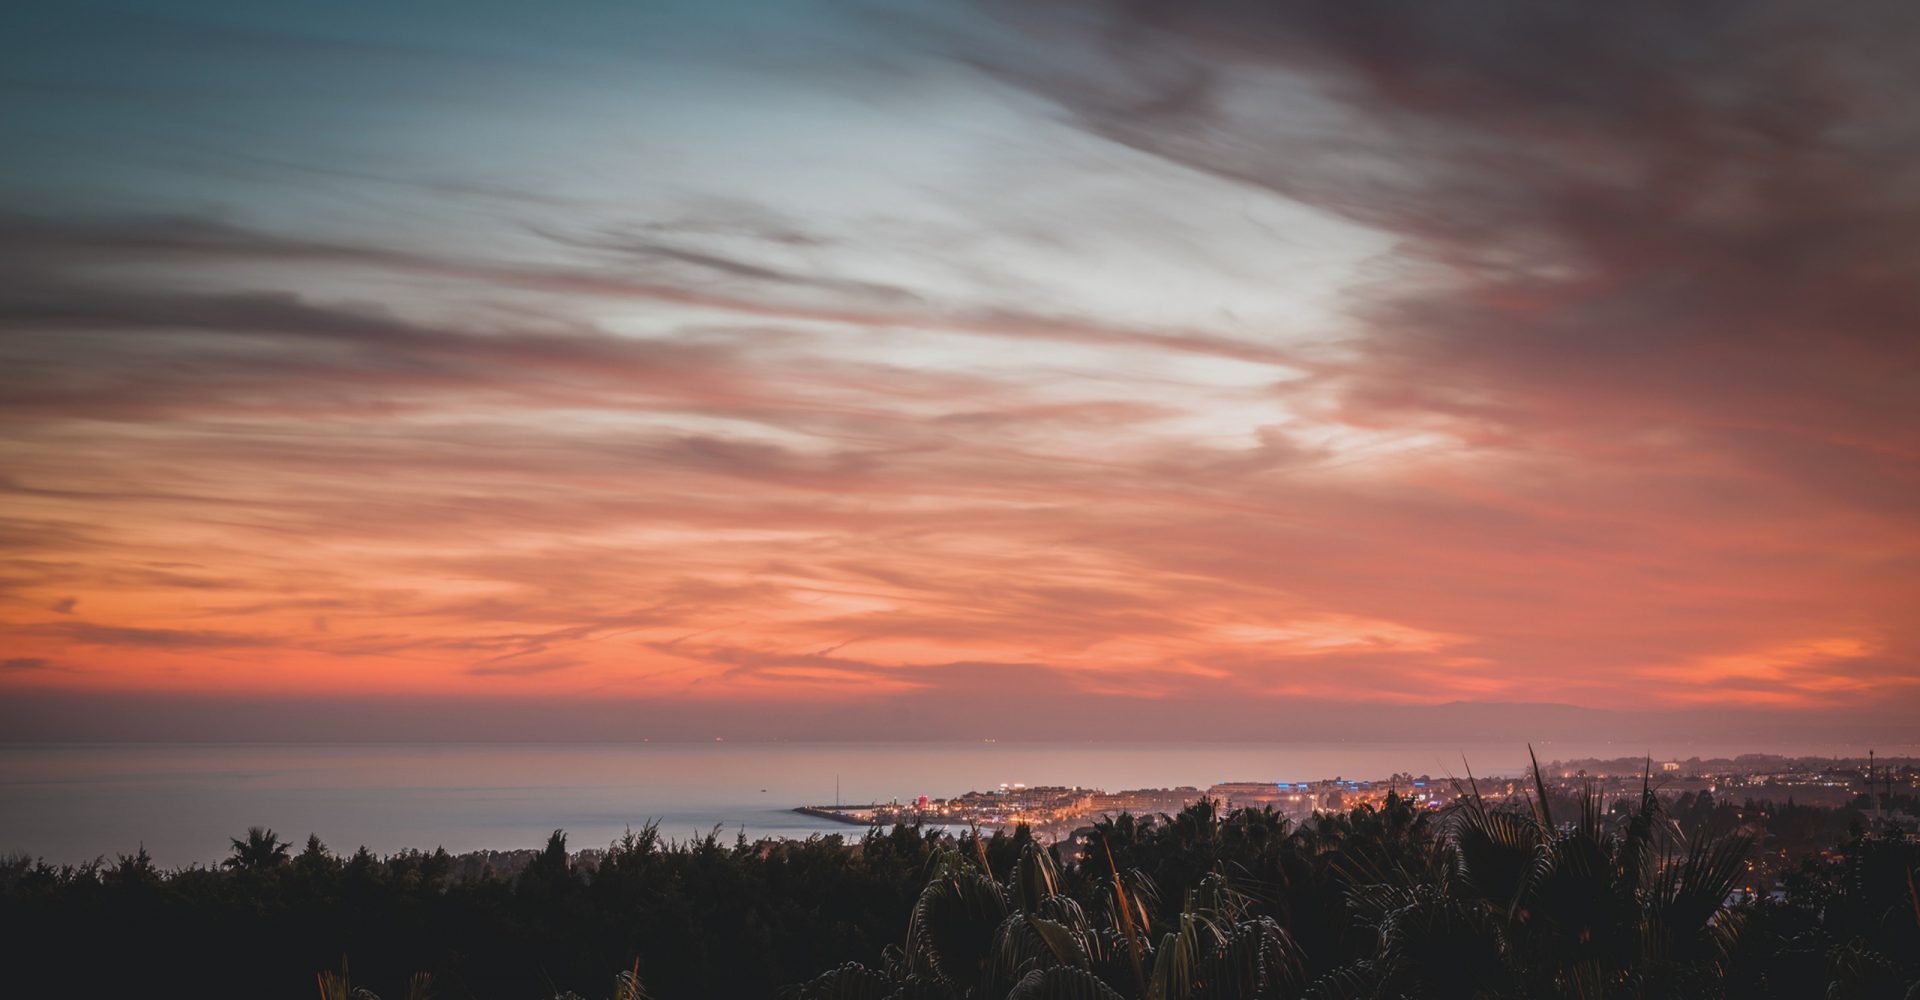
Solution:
(1528, 908)
(1220, 949)
(974, 937)
(261, 849)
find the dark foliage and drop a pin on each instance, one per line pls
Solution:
(703, 919)
(1550, 900)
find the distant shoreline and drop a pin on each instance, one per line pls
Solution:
(73, 802)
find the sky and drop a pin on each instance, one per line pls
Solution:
(1097, 369)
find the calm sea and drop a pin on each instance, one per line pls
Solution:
(72, 802)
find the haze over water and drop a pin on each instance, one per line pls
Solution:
(72, 802)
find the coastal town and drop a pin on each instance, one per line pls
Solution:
(1056, 813)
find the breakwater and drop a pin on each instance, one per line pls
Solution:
(855, 815)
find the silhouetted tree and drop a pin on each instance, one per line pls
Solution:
(261, 849)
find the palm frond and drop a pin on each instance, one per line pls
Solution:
(851, 981)
(1061, 983)
(950, 931)
(1034, 877)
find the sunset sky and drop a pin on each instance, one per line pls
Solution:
(725, 368)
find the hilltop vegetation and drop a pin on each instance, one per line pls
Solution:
(1395, 902)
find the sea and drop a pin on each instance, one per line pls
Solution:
(72, 802)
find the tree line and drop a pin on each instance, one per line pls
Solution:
(1545, 899)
